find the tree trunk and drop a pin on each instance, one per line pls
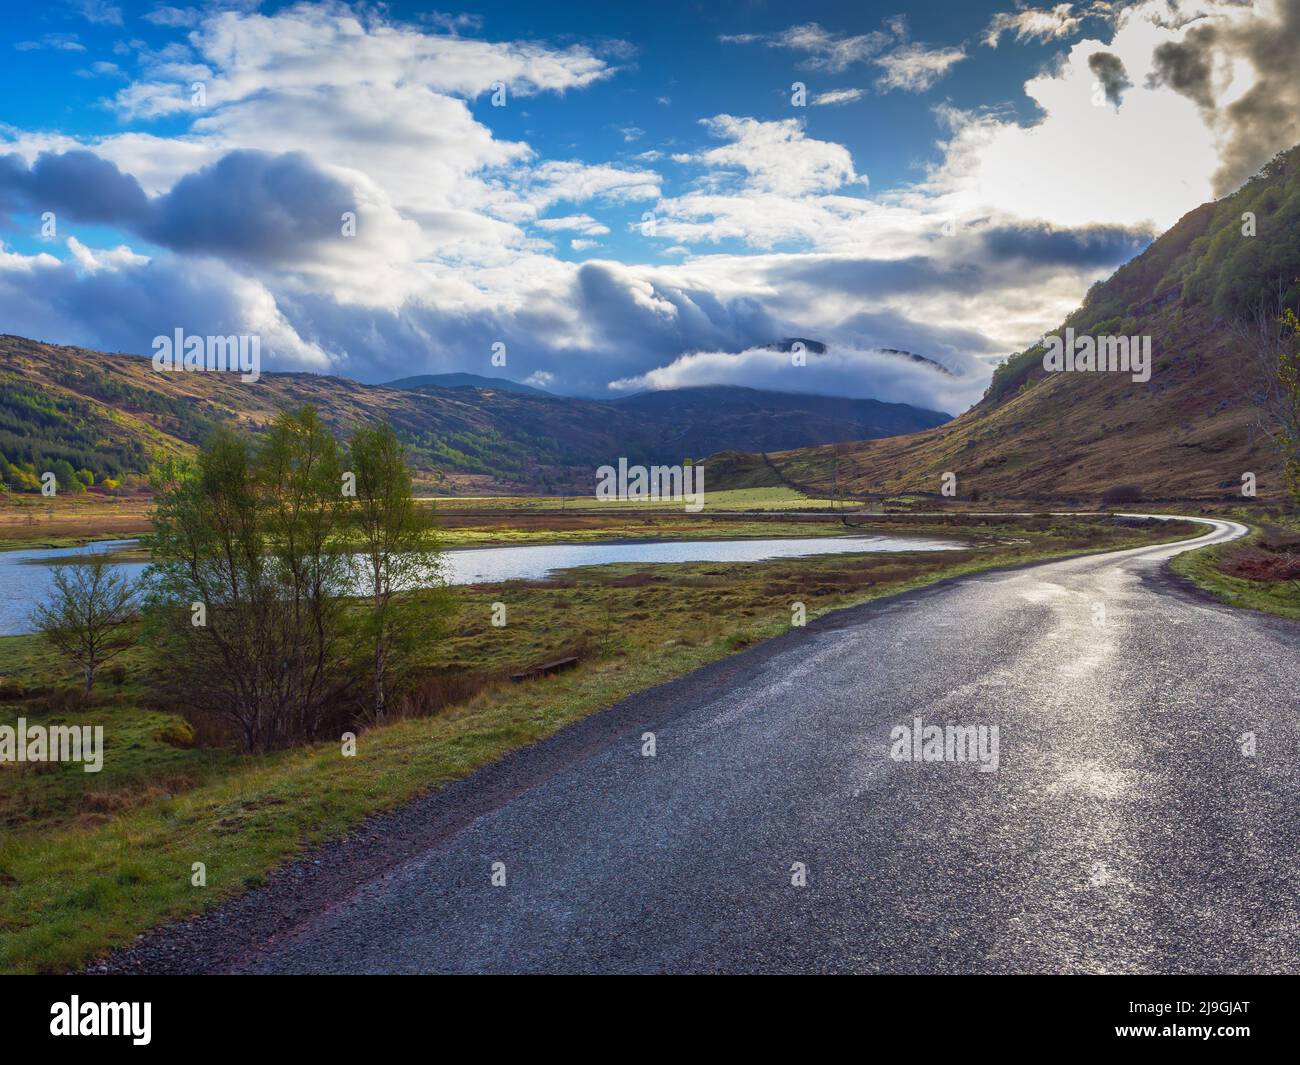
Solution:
(378, 587)
(379, 682)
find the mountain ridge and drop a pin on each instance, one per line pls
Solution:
(464, 380)
(113, 415)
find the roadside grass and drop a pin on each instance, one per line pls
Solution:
(79, 880)
(1244, 573)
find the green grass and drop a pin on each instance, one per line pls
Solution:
(640, 528)
(82, 875)
(148, 752)
(1205, 568)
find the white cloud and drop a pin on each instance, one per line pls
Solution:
(101, 69)
(59, 42)
(173, 16)
(822, 49)
(1082, 163)
(759, 219)
(914, 67)
(454, 23)
(576, 182)
(579, 223)
(906, 66)
(776, 156)
(1034, 24)
(836, 96)
(112, 259)
(98, 11)
(309, 45)
(839, 371)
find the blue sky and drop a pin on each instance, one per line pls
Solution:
(653, 205)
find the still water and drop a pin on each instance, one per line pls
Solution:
(25, 575)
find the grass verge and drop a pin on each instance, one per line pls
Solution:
(1259, 572)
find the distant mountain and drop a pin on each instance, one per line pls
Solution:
(465, 380)
(114, 414)
(1187, 432)
(716, 418)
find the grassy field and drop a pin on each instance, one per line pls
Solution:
(88, 861)
(777, 498)
(68, 520)
(1260, 572)
(72, 520)
(558, 528)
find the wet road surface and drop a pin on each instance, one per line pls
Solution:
(1125, 829)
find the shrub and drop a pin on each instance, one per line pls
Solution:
(86, 615)
(1121, 494)
(176, 734)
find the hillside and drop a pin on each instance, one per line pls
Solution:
(709, 419)
(113, 414)
(1189, 432)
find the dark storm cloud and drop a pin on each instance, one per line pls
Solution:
(78, 185)
(972, 262)
(121, 309)
(379, 345)
(628, 325)
(253, 205)
(257, 206)
(1051, 245)
(887, 277)
(1263, 121)
(640, 320)
(1185, 66)
(1109, 70)
(888, 328)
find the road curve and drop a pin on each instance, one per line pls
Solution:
(1124, 831)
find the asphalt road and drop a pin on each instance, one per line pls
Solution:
(1124, 830)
